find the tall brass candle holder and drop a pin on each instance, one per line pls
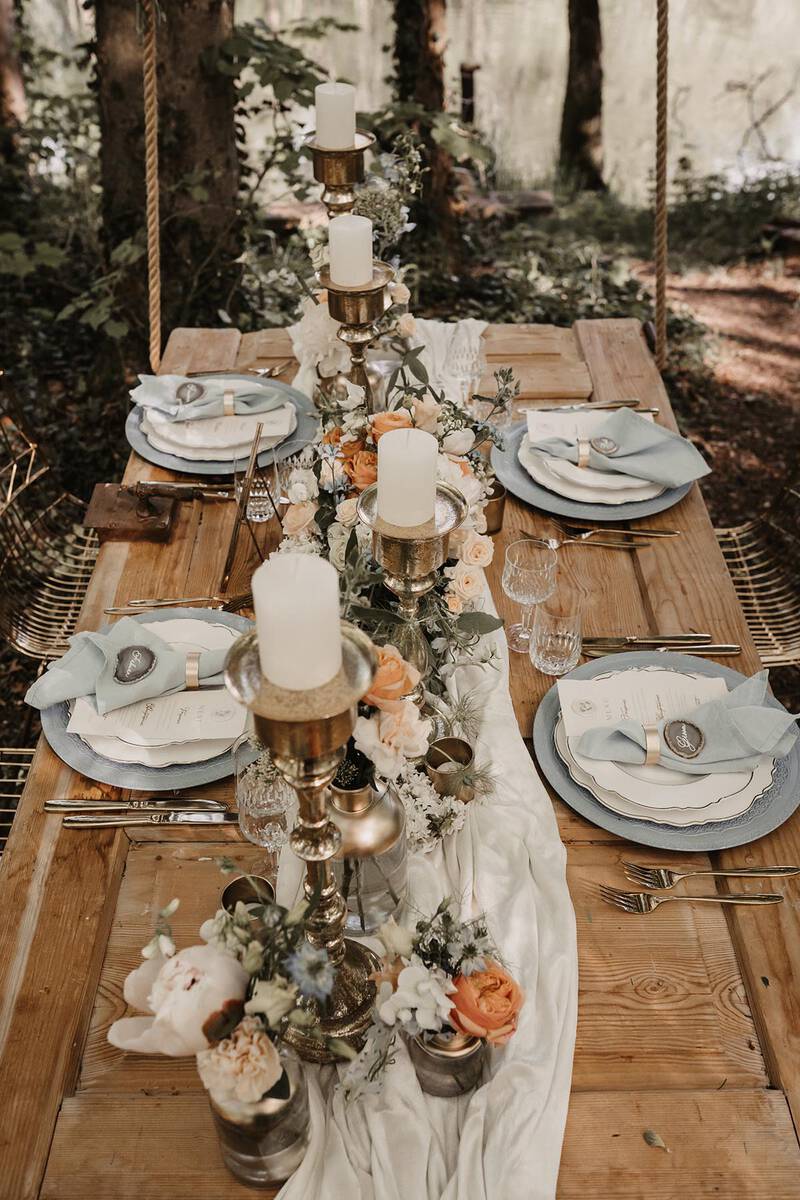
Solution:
(306, 733)
(357, 309)
(411, 556)
(339, 170)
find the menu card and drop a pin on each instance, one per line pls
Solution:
(648, 694)
(567, 425)
(180, 717)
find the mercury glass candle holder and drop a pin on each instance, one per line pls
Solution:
(339, 170)
(358, 309)
(411, 556)
(306, 732)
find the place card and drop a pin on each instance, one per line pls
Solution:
(208, 713)
(648, 695)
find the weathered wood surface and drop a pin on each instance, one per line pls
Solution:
(678, 1032)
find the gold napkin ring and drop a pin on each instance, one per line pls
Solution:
(228, 408)
(584, 450)
(192, 670)
(652, 745)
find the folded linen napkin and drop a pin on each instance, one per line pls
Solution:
(182, 399)
(731, 733)
(629, 444)
(128, 664)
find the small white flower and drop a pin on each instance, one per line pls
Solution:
(398, 940)
(355, 396)
(273, 999)
(420, 998)
(302, 486)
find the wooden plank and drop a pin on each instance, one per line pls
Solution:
(518, 341)
(545, 379)
(735, 1145)
(200, 350)
(687, 586)
(262, 347)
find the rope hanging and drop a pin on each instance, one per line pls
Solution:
(151, 181)
(660, 252)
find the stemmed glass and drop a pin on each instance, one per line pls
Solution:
(529, 576)
(264, 801)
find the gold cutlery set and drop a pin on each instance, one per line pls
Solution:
(114, 814)
(662, 879)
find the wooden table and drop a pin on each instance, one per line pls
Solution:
(689, 1022)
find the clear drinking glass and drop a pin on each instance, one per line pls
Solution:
(555, 645)
(263, 798)
(259, 504)
(529, 576)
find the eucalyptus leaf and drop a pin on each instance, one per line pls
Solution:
(654, 1140)
(479, 623)
(375, 616)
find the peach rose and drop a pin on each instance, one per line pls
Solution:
(346, 445)
(385, 422)
(362, 469)
(298, 518)
(487, 1004)
(454, 603)
(394, 678)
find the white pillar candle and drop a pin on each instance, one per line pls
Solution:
(407, 476)
(350, 246)
(335, 116)
(296, 598)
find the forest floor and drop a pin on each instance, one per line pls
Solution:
(748, 424)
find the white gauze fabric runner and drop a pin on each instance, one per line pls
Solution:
(502, 1141)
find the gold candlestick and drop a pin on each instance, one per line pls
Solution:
(339, 170)
(357, 309)
(307, 732)
(411, 556)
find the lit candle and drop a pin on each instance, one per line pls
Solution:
(335, 116)
(407, 476)
(296, 598)
(350, 246)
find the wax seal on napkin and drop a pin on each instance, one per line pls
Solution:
(189, 391)
(684, 738)
(604, 445)
(134, 663)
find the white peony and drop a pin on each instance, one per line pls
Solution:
(459, 441)
(315, 342)
(420, 998)
(192, 996)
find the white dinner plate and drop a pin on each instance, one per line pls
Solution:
(611, 481)
(215, 440)
(187, 634)
(541, 471)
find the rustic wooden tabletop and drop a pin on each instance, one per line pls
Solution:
(688, 1020)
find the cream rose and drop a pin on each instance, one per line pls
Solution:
(400, 294)
(454, 603)
(426, 414)
(406, 326)
(467, 581)
(476, 550)
(346, 512)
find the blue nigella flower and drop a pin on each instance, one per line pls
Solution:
(311, 970)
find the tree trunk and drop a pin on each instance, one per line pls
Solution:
(419, 79)
(12, 89)
(198, 160)
(581, 154)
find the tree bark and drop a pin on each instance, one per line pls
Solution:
(12, 89)
(419, 79)
(581, 152)
(198, 159)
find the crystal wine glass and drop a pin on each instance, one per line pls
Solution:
(263, 799)
(529, 576)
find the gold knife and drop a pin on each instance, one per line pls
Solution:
(717, 651)
(101, 807)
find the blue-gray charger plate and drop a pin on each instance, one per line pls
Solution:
(769, 810)
(515, 478)
(72, 750)
(307, 422)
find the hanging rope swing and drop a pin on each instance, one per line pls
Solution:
(150, 59)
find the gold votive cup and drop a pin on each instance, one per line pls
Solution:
(495, 509)
(249, 889)
(446, 762)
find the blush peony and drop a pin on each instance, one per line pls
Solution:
(243, 1067)
(487, 1004)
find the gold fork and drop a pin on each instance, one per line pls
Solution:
(661, 878)
(643, 902)
(224, 603)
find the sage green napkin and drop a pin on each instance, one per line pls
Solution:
(637, 447)
(182, 399)
(737, 730)
(127, 664)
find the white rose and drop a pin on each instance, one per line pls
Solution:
(459, 442)
(476, 550)
(406, 326)
(302, 486)
(460, 475)
(426, 413)
(388, 760)
(400, 294)
(338, 538)
(467, 581)
(346, 513)
(454, 602)
(332, 474)
(191, 994)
